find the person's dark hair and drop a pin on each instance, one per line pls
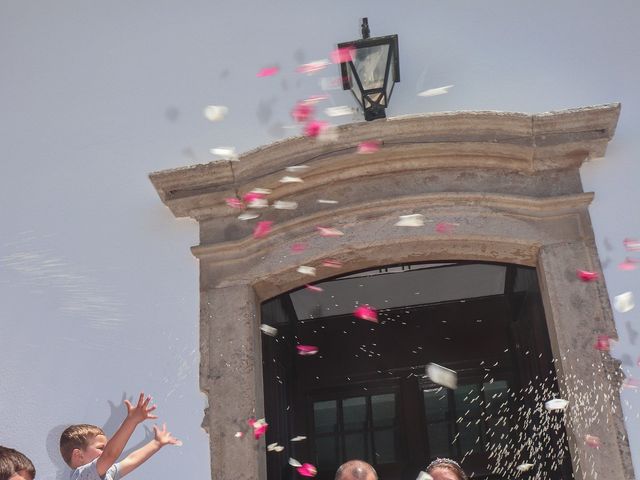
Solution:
(355, 470)
(448, 464)
(77, 436)
(12, 461)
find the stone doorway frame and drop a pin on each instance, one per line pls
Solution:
(509, 182)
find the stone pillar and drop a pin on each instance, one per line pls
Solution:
(231, 376)
(576, 313)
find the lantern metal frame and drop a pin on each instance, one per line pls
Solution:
(373, 101)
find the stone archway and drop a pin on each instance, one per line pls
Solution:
(510, 183)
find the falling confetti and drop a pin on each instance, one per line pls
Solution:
(624, 302)
(307, 470)
(342, 55)
(282, 205)
(332, 263)
(305, 270)
(556, 404)
(225, 153)
(524, 467)
(306, 350)
(215, 113)
(268, 72)
(339, 111)
(313, 288)
(365, 312)
(248, 216)
(587, 276)
(371, 146)
(313, 67)
(289, 179)
(329, 232)
(262, 229)
(269, 330)
(632, 245)
(296, 168)
(432, 92)
(413, 220)
(442, 376)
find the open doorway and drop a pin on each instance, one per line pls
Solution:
(365, 393)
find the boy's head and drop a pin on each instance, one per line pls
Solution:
(82, 444)
(15, 465)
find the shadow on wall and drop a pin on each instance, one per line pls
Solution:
(116, 416)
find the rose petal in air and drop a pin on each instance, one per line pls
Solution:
(226, 153)
(342, 55)
(267, 72)
(592, 441)
(302, 112)
(307, 470)
(268, 330)
(587, 276)
(296, 168)
(299, 438)
(556, 404)
(329, 232)
(234, 202)
(252, 196)
(371, 146)
(260, 431)
(290, 179)
(271, 446)
(413, 220)
(602, 343)
(248, 216)
(442, 375)
(365, 312)
(262, 229)
(283, 205)
(294, 463)
(332, 263)
(215, 113)
(524, 467)
(305, 270)
(629, 264)
(328, 202)
(315, 128)
(339, 111)
(298, 247)
(307, 349)
(624, 302)
(239, 435)
(313, 288)
(444, 227)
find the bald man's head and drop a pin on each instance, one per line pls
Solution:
(356, 470)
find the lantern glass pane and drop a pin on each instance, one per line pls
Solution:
(370, 63)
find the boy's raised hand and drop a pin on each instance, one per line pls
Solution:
(163, 437)
(141, 411)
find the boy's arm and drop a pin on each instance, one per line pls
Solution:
(114, 447)
(137, 458)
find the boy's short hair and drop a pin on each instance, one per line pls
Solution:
(77, 436)
(12, 461)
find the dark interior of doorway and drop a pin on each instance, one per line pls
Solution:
(365, 393)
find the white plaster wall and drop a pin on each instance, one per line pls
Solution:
(98, 291)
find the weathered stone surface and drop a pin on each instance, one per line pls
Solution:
(509, 182)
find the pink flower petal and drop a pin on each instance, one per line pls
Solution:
(307, 470)
(329, 232)
(444, 227)
(602, 343)
(267, 72)
(365, 312)
(306, 349)
(313, 288)
(369, 147)
(298, 247)
(312, 67)
(260, 431)
(315, 128)
(262, 229)
(342, 55)
(587, 276)
(629, 264)
(234, 202)
(332, 263)
(632, 244)
(302, 112)
(250, 197)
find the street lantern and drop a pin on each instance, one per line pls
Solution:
(371, 70)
